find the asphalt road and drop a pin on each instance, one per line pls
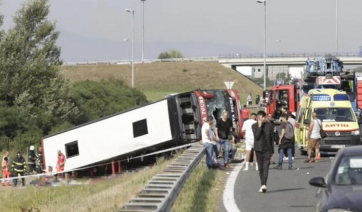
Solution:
(288, 190)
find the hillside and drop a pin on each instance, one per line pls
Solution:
(159, 79)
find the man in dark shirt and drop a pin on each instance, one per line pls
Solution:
(223, 129)
(263, 146)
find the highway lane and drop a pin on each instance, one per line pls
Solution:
(288, 190)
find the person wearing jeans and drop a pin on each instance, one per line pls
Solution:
(222, 130)
(286, 143)
(208, 141)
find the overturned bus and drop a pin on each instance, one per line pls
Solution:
(170, 122)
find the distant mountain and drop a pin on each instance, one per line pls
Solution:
(76, 48)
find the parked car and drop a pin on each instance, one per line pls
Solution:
(342, 188)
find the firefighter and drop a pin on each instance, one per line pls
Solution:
(32, 160)
(18, 167)
(285, 101)
(6, 169)
(39, 161)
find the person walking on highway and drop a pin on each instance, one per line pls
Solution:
(207, 141)
(249, 100)
(245, 113)
(6, 169)
(249, 140)
(314, 137)
(19, 168)
(292, 121)
(285, 142)
(60, 163)
(222, 130)
(263, 146)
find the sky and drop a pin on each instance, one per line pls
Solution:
(96, 29)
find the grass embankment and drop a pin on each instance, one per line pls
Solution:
(204, 189)
(105, 195)
(157, 80)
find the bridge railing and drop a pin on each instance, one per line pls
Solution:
(216, 58)
(290, 55)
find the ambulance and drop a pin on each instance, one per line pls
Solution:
(334, 109)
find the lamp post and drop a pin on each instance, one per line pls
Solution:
(127, 48)
(132, 12)
(143, 29)
(279, 46)
(336, 27)
(264, 2)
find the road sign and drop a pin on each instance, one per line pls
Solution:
(229, 85)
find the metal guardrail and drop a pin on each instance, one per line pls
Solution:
(161, 192)
(215, 58)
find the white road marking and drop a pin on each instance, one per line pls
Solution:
(228, 196)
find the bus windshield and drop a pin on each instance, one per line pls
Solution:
(335, 114)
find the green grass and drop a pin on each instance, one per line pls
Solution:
(202, 191)
(105, 195)
(160, 79)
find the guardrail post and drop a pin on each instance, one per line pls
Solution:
(113, 168)
(119, 167)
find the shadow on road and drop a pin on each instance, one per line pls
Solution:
(288, 189)
(302, 206)
(309, 167)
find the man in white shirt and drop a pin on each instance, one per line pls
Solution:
(207, 141)
(249, 139)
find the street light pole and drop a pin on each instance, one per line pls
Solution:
(279, 47)
(132, 12)
(143, 29)
(264, 1)
(336, 27)
(127, 48)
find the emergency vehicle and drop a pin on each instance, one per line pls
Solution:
(334, 109)
(170, 122)
(326, 72)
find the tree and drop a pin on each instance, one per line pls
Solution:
(30, 82)
(283, 76)
(170, 54)
(100, 99)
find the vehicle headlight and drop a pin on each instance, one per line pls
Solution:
(356, 132)
(338, 210)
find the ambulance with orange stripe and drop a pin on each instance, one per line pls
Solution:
(334, 109)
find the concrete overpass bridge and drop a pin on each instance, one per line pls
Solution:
(285, 60)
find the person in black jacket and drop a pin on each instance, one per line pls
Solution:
(19, 168)
(263, 146)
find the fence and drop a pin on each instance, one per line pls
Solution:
(216, 58)
(161, 192)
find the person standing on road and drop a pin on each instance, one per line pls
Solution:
(207, 141)
(314, 137)
(263, 146)
(245, 113)
(292, 121)
(285, 141)
(6, 169)
(249, 100)
(222, 130)
(249, 140)
(257, 99)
